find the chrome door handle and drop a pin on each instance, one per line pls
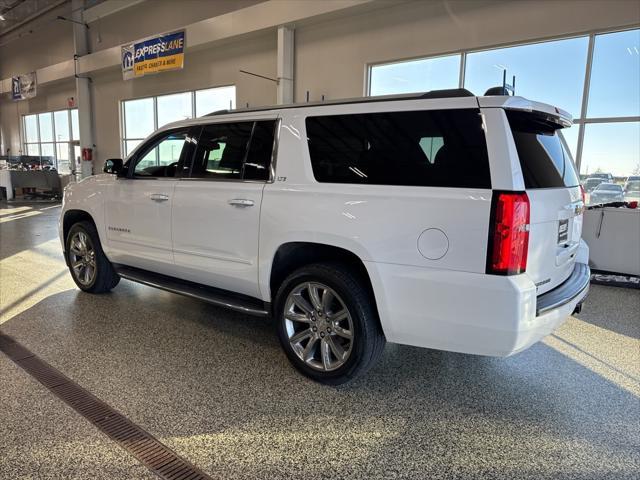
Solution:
(241, 202)
(159, 197)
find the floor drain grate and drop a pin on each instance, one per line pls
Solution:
(160, 459)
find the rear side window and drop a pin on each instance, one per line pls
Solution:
(544, 159)
(234, 151)
(439, 148)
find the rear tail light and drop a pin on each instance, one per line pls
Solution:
(584, 195)
(508, 233)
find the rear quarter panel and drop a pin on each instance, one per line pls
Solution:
(380, 224)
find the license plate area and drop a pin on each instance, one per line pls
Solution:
(563, 231)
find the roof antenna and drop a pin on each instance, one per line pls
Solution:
(504, 79)
(513, 85)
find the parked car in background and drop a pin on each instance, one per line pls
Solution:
(630, 179)
(591, 183)
(632, 191)
(606, 193)
(605, 177)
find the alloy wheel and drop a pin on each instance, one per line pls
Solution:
(319, 326)
(82, 258)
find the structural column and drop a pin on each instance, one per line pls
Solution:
(285, 74)
(83, 90)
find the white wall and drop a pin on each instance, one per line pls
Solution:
(203, 69)
(156, 16)
(42, 42)
(330, 56)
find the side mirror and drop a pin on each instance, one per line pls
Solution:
(113, 165)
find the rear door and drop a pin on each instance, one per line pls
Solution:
(553, 188)
(216, 208)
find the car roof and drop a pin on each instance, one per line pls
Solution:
(500, 101)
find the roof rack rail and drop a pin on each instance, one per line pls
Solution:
(447, 93)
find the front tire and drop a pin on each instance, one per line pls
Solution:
(90, 269)
(327, 323)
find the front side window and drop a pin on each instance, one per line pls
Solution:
(439, 148)
(161, 157)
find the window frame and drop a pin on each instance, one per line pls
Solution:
(154, 141)
(55, 142)
(272, 160)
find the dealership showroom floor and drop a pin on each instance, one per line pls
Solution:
(215, 387)
(405, 158)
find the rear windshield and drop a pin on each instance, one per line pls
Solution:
(438, 148)
(612, 188)
(544, 159)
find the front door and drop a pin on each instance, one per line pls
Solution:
(216, 209)
(138, 207)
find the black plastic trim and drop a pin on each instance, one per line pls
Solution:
(576, 286)
(215, 296)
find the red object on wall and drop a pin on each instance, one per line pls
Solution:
(87, 154)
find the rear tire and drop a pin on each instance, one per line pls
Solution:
(89, 266)
(327, 323)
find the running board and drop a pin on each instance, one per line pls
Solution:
(215, 296)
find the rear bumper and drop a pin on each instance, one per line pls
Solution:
(576, 287)
(470, 312)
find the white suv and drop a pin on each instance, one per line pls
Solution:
(443, 220)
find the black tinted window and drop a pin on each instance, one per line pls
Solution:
(544, 159)
(260, 151)
(221, 150)
(234, 151)
(444, 148)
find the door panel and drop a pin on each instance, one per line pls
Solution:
(215, 233)
(216, 211)
(138, 214)
(138, 207)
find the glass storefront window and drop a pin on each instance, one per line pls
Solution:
(615, 75)
(172, 108)
(47, 134)
(214, 99)
(142, 116)
(415, 75)
(549, 72)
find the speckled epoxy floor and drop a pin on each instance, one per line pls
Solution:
(214, 386)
